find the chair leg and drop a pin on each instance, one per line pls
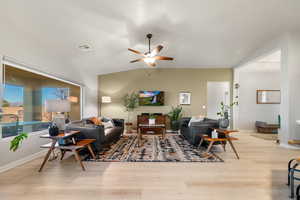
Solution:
(289, 171)
(297, 192)
(292, 180)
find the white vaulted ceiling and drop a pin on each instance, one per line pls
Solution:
(197, 33)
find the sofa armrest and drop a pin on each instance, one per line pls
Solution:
(119, 122)
(184, 122)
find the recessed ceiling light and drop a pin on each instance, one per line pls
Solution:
(85, 47)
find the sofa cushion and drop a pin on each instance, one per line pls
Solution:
(108, 125)
(107, 119)
(108, 131)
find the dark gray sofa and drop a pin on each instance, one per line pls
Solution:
(91, 131)
(193, 133)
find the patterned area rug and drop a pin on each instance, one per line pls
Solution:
(154, 149)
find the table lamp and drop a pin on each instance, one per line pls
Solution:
(59, 107)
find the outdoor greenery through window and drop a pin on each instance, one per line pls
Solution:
(24, 97)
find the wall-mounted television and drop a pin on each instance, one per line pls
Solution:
(151, 98)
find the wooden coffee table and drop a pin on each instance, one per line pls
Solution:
(150, 127)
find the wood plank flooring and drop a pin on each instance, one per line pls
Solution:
(260, 174)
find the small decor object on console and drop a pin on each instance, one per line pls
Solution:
(185, 98)
(152, 119)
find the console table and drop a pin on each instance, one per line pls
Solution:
(75, 148)
(143, 128)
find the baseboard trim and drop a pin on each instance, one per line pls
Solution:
(288, 146)
(22, 161)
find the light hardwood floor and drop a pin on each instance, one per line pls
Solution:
(260, 174)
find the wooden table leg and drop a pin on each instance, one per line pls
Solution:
(210, 146)
(139, 137)
(164, 133)
(78, 159)
(200, 143)
(63, 152)
(224, 146)
(91, 151)
(48, 154)
(233, 148)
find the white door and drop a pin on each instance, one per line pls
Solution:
(217, 92)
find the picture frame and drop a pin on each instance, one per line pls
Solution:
(185, 98)
(268, 96)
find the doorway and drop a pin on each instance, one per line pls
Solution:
(217, 92)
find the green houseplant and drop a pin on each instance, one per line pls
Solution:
(130, 101)
(17, 141)
(175, 115)
(224, 114)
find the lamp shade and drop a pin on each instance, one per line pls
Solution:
(106, 99)
(58, 106)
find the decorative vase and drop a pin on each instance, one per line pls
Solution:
(53, 130)
(223, 123)
(175, 125)
(128, 127)
(151, 121)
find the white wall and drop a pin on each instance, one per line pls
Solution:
(289, 44)
(217, 92)
(252, 77)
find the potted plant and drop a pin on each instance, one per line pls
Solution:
(224, 114)
(130, 102)
(175, 114)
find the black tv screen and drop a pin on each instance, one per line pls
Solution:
(151, 98)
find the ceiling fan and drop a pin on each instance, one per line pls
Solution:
(151, 56)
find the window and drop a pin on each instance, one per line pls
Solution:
(24, 97)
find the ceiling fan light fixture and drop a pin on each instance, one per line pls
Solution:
(151, 56)
(149, 60)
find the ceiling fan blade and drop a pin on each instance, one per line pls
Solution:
(135, 51)
(137, 60)
(156, 50)
(163, 58)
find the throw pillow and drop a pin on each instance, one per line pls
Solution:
(108, 124)
(196, 119)
(107, 119)
(95, 121)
